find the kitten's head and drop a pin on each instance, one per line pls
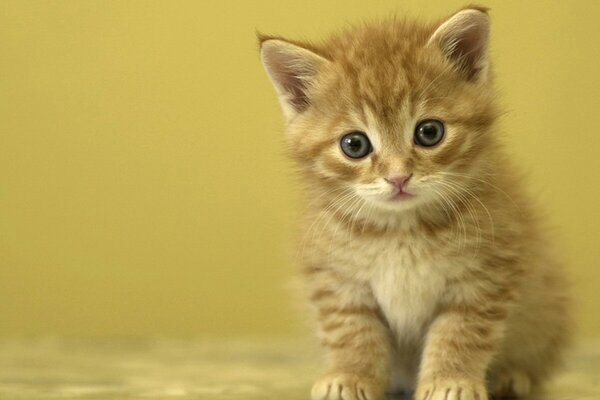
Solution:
(398, 113)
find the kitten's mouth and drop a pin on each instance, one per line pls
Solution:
(401, 196)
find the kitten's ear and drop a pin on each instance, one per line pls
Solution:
(464, 39)
(292, 70)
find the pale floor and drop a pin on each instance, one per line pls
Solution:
(216, 370)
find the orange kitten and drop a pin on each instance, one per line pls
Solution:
(421, 252)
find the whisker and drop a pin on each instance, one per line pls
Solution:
(476, 198)
(461, 175)
(470, 209)
(350, 204)
(322, 214)
(456, 212)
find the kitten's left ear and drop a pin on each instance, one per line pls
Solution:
(464, 39)
(293, 70)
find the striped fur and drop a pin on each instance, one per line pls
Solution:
(453, 293)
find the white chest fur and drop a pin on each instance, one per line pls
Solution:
(408, 286)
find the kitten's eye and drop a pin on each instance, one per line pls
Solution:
(356, 145)
(429, 132)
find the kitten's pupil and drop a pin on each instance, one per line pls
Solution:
(356, 145)
(429, 133)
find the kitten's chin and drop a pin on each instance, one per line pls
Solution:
(402, 196)
(396, 202)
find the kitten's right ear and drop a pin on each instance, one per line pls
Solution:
(292, 70)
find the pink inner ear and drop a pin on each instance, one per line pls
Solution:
(295, 86)
(464, 40)
(291, 68)
(468, 52)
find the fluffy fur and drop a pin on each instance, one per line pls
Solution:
(453, 293)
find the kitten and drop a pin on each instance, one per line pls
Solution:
(421, 253)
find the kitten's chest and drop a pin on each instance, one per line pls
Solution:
(408, 281)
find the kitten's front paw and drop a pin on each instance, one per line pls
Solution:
(451, 389)
(343, 386)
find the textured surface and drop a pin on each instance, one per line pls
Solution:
(169, 369)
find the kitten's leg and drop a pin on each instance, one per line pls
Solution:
(458, 350)
(357, 339)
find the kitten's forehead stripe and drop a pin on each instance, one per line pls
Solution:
(372, 127)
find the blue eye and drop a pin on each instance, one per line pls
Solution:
(430, 132)
(356, 145)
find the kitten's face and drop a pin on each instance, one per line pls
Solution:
(393, 121)
(412, 151)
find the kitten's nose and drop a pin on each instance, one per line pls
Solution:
(399, 181)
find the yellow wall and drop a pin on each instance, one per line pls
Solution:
(142, 190)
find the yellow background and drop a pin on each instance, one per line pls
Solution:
(142, 186)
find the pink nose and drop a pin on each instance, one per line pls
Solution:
(399, 181)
